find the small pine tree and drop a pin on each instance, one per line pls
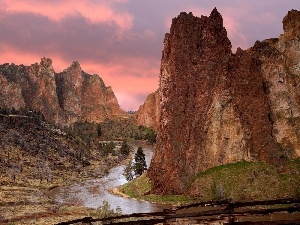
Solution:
(140, 162)
(128, 172)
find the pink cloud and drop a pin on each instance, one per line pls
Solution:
(131, 77)
(129, 101)
(93, 11)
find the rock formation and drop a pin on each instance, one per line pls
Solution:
(63, 98)
(148, 113)
(217, 107)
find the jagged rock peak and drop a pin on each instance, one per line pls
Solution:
(291, 24)
(198, 31)
(75, 64)
(46, 67)
(216, 17)
(46, 62)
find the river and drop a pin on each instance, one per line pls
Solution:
(92, 193)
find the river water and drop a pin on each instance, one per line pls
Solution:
(92, 193)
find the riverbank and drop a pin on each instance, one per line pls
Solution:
(30, 202)
(140, 189)
(241, 181)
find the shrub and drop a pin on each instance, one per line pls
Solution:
(105, 211)
(125, 148)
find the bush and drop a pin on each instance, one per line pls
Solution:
(151, 136)
(109, 148)
(105, 211)
(125, 148)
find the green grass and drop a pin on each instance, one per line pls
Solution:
(247, 181)
(241, 181)
(230, 166)
(137, 187)
(140, 188)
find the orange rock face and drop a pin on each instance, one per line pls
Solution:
(63, 98)
(148, 113)
(217, 107)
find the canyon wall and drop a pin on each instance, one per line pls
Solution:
(63, 98)
(148, 113)
(217, 107)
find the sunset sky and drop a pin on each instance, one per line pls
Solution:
(122, 40)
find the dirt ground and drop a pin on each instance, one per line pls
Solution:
(28, 201)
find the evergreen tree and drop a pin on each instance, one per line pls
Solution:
(140, 162)
(128, 171)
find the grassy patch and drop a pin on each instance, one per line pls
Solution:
(140, 188)
(137, 187)
(230, 166)
(241, 181)
(246, 181)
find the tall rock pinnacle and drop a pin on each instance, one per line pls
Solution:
(217, 107)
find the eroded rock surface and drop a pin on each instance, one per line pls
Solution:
(217, 107)
(148, 113)
(63, 98)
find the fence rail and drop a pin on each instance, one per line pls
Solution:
(218, 210)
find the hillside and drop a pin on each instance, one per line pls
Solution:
(31, 150)
(36, 156)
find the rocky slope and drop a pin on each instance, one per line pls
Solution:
(217, 107)
(63, 98)
(148, 113)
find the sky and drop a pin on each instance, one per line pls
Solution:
(122, 40)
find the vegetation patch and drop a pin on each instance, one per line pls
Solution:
(241, 181)
(140, 188)
(247, 181)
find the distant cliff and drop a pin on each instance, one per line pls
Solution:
(217, 107)
(63, 98)
(148, 113)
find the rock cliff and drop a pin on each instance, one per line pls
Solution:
(63, 98)
(217, 107)
(148, 113)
